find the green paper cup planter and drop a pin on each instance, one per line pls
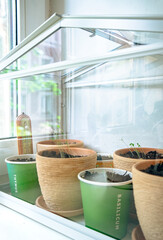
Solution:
(105, 204)
(23, 177)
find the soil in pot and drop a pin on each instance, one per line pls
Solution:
(101, 157)
(108, 177)
(60, 154)
(136, 155)
(23, 160)
(156, 169)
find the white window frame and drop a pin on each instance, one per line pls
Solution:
(59, 224)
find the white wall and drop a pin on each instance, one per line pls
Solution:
(31, 14)
(121, 7)
(35, 12)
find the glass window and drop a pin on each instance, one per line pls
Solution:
(7, 26)
(7, 87)
(102, 86)
(39, 97)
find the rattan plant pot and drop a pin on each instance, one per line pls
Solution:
(58, 180)
(59, 143)
(148, 197)
(127, 163)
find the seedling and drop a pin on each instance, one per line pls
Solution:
(133, 146)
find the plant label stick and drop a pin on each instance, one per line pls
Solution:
(24, 134)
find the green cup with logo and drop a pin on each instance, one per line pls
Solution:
(23, 177)
(106, 203)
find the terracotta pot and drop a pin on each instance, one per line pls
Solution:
(104, 160)
(58, 180)
(58, 143)
(127, 163)
(104, 164)
(148, 197)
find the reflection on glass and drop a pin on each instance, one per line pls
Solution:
(73, 43)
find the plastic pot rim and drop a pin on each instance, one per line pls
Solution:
(9, 159)
(105, 183)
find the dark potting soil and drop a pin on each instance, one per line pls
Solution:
(109, 177)
(103, 157)
(115, 177)
(23, 160)
(137, 155)
(54, 154)
(156, 169)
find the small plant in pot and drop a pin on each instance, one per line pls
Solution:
(57, 173)
(127, 157)
(23, 177)
(106, 199)
(148, 195)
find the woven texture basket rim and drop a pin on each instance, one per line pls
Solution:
(147, 175)
(70, 141)
(117, 152)
(90, 153)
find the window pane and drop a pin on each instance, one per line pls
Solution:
(7, 87)
(115, 100)
(39, 97)
(7, 26)
(74, 43)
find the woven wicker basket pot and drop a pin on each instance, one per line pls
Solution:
(59, 143)
(58, 180)
(127, 163)
(148, 197)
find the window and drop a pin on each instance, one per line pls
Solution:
(26, 94)
(7, 26)
(97, 98)
(7, 42)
